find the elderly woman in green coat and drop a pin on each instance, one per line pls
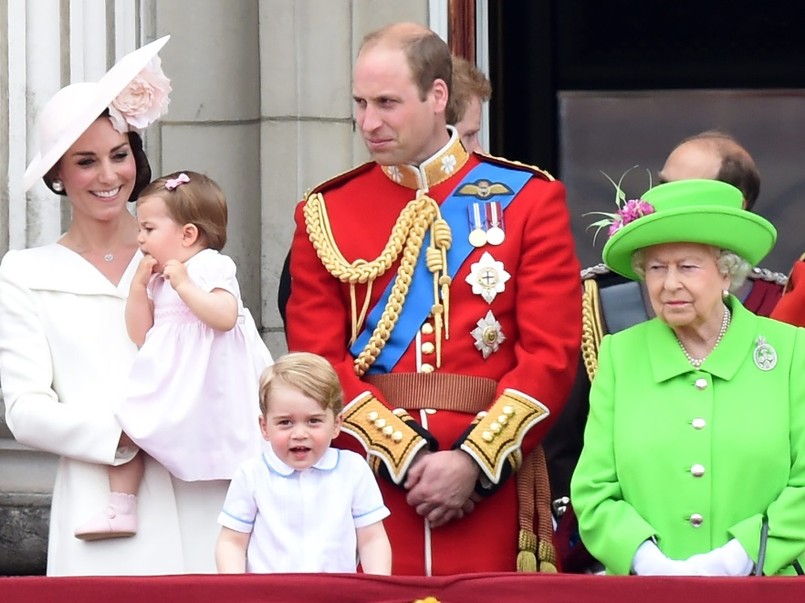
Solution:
(696, 433)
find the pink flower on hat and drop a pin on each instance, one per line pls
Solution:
(628, 211)
(631, 211)
(143, 101)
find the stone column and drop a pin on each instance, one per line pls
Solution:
(307, 48)
(213, 124)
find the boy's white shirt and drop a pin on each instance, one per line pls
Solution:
(303, 521)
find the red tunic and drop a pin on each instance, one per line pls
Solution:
(539, 313)
(791, 307)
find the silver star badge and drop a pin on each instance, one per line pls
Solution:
(487, 277)
(488, 335)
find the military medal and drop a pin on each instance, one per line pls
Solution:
(495, 234)
(765, 356)
(487, 277)
(488, 335)
(477, 225)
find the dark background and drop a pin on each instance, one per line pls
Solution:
(582, 86)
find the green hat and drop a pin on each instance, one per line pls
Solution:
(691, 211)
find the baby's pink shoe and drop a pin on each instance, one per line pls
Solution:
(119, 520)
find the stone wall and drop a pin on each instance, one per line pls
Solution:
(26, 481)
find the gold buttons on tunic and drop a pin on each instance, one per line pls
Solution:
(426, 368)
(428, 347)
(698, 423)
(701, 384)
(427, 329)
(696, 520)
(697, 470)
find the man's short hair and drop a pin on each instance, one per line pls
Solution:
(427, 54)
(468, 82)
(737, 166)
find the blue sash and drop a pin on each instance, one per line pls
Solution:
(419, 301)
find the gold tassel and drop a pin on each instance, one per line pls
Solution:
(547, 558)
(527, 555)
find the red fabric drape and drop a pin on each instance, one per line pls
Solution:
(359, 588)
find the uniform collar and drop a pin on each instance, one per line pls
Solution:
(436, 169)
(668, 361)
(275, 465)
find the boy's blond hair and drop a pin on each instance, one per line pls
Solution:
(307, 373)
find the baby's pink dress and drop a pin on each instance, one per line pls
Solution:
(193, 391)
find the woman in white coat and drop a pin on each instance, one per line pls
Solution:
(64, 352)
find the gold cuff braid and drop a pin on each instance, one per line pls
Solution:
(383, 433)
(499, 433)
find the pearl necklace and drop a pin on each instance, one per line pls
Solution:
(697, 362)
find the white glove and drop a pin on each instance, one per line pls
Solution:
(728, 560)
(649, 560)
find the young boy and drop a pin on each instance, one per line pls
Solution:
(302, 506)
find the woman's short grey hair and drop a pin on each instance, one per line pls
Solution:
(729, 264)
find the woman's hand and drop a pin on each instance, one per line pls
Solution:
(649, 560)
(728, 560)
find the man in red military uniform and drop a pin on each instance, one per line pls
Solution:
(444, 288)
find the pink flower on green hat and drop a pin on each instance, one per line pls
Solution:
(143, 101)
(631, 211)
(628, 211)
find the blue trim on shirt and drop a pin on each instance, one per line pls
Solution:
(236, 518)
(375, 510)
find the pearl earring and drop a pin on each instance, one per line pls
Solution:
(57, 185)
(725, 294)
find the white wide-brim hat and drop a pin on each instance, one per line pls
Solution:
(74, 108)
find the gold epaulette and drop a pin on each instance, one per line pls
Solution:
(544, 174)
(383, 433)
(340, 178)
(498, 433)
